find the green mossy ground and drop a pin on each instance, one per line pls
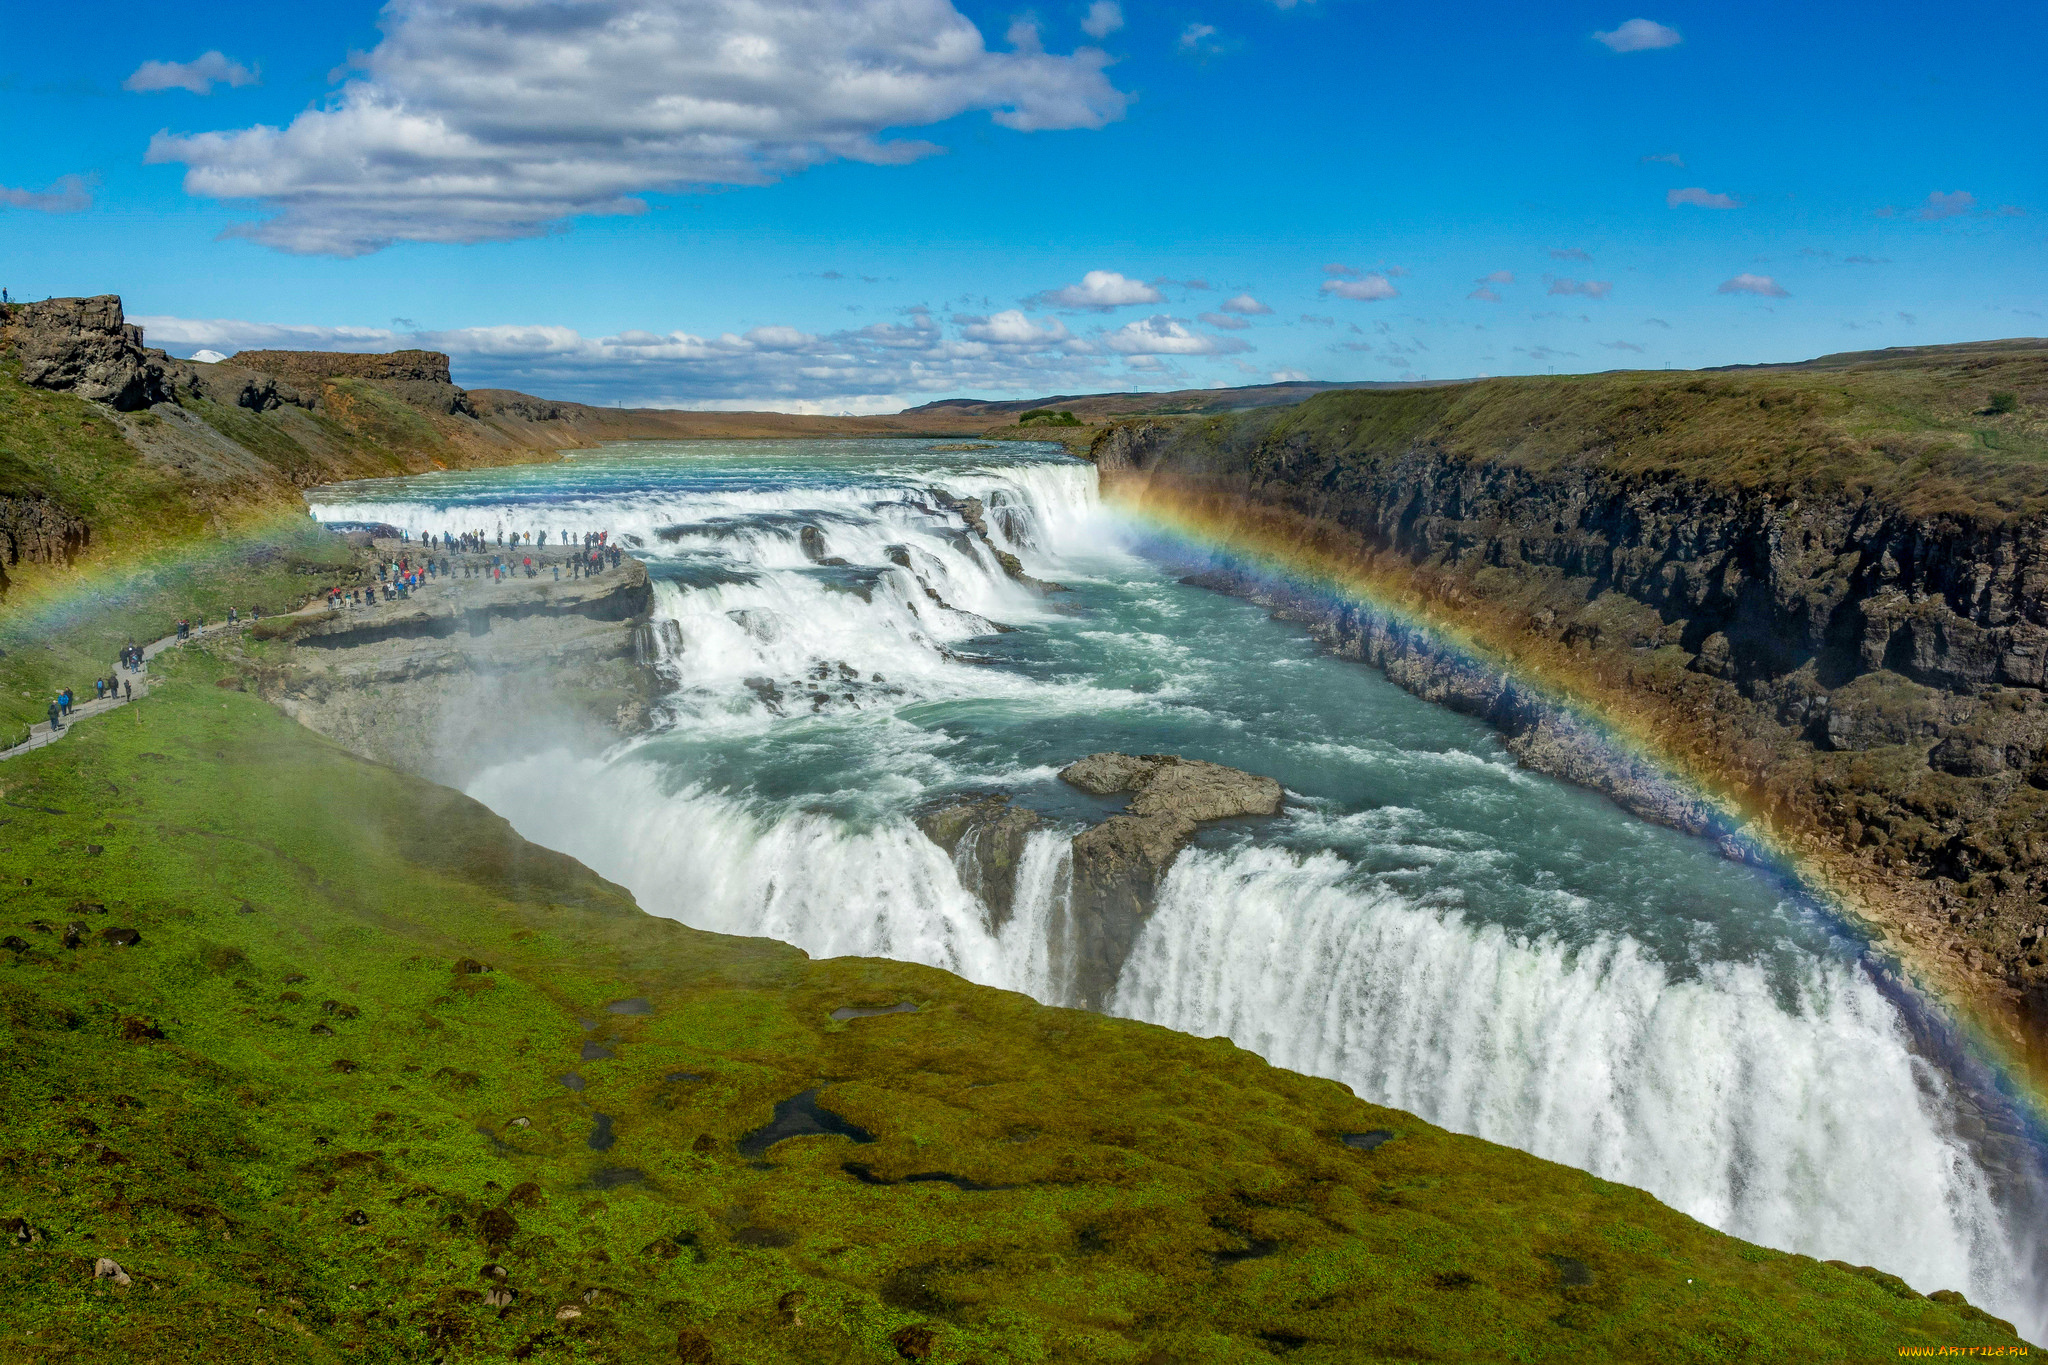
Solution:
(286, 1178)
(1919, 431)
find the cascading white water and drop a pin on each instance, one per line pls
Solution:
(813, 707)
(1812, 1129)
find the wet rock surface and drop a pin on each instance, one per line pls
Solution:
(1118, 863)
(984, 834)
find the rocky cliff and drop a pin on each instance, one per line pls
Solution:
(1853, 664)
(465, 671)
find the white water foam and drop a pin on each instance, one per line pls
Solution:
(1812, 1129)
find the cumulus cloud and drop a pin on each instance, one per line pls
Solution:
(1700, 199)
(1592, 289)
(1012, 328)
(65, 194)
(1289, 376)
(1753, 284)
(1639, 35)
(1163, 335)
(1568, 253)
(1225, 321)
(1366, 288)
(1101, 289)
(1668, 158)
(1349, 272)
(1937, 206)
(477, 120)
(1104, 18)
(1199, 38)
(199, 75)
(1245, 304)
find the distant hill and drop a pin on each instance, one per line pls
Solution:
(1101, 406)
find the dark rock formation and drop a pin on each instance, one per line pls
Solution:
(36, 530)
(419, 378)
(1118, 863)
(984, 835)
(86, 347)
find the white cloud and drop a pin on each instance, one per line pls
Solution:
(1639, 35)
(1162, 335)
(1366, 288)
(1668, 158)
(1753, 284)
(1225, 321)
(1568, 253)
(880, 367)
(1104, 18)
(1592, 289)
(1012, 328)
(1937, 206)
(1622, 346)
(1289, 376)
(1700, 199)
(1196, 38)
(65, 194)
(481, 120)
(1245, 304)
(199, 75)
(1103, 289)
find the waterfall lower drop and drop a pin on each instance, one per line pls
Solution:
(814, 707)
(1811, 1129)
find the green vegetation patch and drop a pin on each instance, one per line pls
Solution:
(1949, 430)
(333, 1065)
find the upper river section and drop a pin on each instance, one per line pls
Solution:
(1444, 932)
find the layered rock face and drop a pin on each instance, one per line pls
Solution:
(1117, 864)
(1869, 676)
(468, 672)
(88, 348)
(35, 530)
(421, 378)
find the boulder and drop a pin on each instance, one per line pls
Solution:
(87, 347)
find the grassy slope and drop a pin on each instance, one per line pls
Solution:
(1913, 431)
(277, 1192)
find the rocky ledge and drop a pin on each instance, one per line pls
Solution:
(466, 671)
(1117, 864)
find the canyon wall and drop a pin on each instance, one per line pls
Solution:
(1863, 676)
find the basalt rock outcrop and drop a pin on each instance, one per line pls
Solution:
(87, 347)
(1863, 674)
(984, 834)
(1117, 864)
(421, 379)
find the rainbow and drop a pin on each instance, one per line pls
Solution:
(1286, 556)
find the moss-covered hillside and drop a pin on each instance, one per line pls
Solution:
(1957, 429)
(332, 1065)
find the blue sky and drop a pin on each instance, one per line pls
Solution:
(874, 203)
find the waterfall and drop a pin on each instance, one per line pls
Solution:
(832, 643)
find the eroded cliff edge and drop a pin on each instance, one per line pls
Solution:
(1847, 635)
